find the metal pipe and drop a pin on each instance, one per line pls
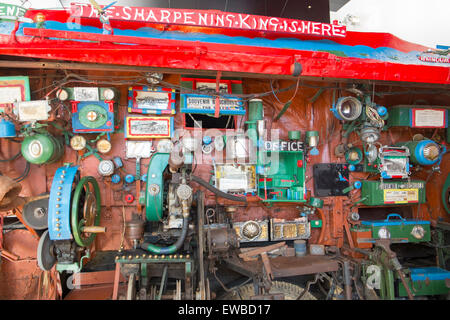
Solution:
(170, 249)
(347, 281)
(216, 191)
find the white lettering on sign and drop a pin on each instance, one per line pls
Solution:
(401, 195)
(283, 146)
(210, 103)
(425, 118)
(434, 59)
(213, 18)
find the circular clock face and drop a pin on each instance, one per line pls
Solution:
(384, 233)
(62, 94)
(78, 143)
(103, 146)
(108, 94)
(418, 232)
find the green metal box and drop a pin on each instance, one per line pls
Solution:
(394, 192)
(426, 281)
(412, 230)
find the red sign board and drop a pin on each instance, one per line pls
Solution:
(212, 18)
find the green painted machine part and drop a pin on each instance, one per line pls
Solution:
(399, 116)
(295, 135)
(283, 176)
(396, 227)
(315, 202)
(427, 281)
(446, 194)
(88, 190)
(42, 148)
(255, 110)
(154, 194)
(316, 223)
(100, 120)
(376, 193)
(354, 155)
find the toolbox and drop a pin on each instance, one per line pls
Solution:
(426, 281)
(395, 227)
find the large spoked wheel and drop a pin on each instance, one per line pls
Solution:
(85, 211)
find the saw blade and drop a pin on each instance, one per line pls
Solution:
(45, 257)
(35, 214)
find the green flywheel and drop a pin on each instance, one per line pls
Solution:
(85, 212)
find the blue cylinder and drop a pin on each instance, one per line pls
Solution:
(207, 140)
(115, 178)
(7, 129)
(300, 248)
(129, 178)
(144, 178)
(351, 168)
(357, 184)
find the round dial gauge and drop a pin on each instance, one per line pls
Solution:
(384, 233)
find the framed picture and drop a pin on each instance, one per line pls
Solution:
(147, 100)
(14, 89)
(148, 127)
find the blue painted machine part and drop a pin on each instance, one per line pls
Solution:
(118, 162)
(129, 178)
(59, 204)
(115, 178)
(357, 184)
(144, 178)
(388, 222)
(381, 111)
(419, 153)
(430, 273)
(351, 168)
(7, 129)
(207, 140)
(314, 151)
(335, 112)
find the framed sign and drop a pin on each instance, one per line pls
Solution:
(147, 100)
(32, 110)
(14, 89)
(429, 118)
(204, 100)
(85, 94)
(148, 127)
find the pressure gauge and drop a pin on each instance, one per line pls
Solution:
(384, 233)
(103, 146)
(78, 143)
(62, 94)
(371, 153)
(108, 94)
(164, 146)
(418, 232)
(370, 134)
(154, 77)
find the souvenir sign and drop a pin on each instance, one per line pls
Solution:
(148, 127)
(204, 100)
(151, 100)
